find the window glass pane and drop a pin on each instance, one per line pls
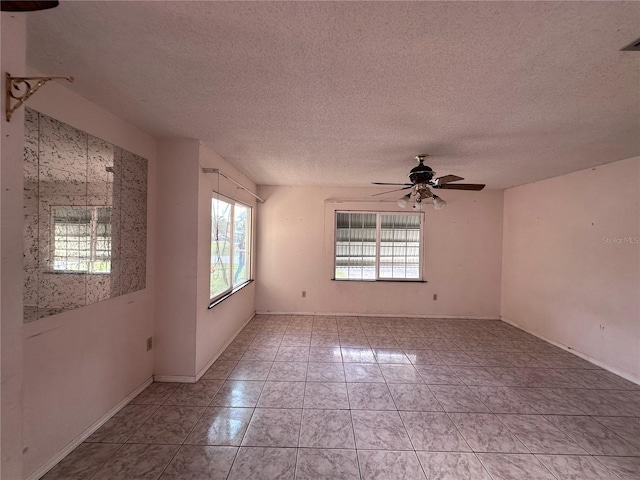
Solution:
(355, 246)
(220, 279)
(399, 246)
(242, 244)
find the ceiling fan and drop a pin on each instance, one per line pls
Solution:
(422, 181)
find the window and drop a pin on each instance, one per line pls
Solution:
(81, 239)
(378, 246)
(230, 246)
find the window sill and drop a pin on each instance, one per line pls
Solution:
(385, 280)
(224, 297)
(73, 272)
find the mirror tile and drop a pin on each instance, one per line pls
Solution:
(85, 218)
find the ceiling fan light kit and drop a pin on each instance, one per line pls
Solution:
(404, 201)
(438, 203)
(422, 181)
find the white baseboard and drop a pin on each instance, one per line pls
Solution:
(584, 356)
(391, 315)
(40, 472)
(174, 378)
(203, 370)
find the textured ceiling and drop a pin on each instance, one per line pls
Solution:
(345, 93)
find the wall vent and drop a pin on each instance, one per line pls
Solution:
(633, 46)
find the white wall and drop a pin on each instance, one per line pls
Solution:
(463, 245)
(188, 334)
(177, 226)
(13, 30)
(215, 327)
(571, 262)
(80, 364)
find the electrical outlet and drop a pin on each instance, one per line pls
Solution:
(304, 294)
(149, 343)
(435, 296)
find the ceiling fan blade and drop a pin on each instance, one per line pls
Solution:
(27, 6)
(446, 179)
(383, 183)
(461, 186)
(390, 191)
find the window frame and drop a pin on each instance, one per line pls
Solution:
(379, 213)
(248, 260)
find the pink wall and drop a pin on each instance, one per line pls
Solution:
(13, 30)
(189, 335)
(217, 326)
(81, 364)
(177, 226)
(571, 262)
(295, 252)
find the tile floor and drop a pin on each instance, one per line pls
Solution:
(375, 398)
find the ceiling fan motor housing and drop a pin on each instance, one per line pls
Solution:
(421, 174)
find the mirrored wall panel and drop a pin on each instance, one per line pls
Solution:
(85, 218)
